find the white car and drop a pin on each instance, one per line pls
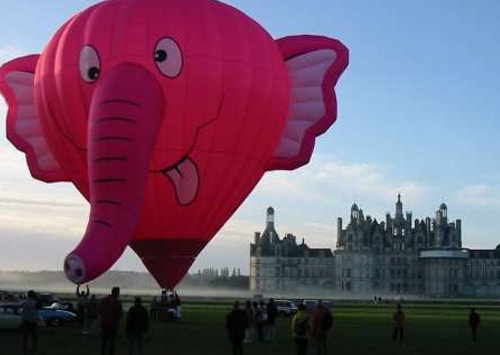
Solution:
(285, 308)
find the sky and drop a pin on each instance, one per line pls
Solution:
(417, 114)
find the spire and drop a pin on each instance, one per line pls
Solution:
(399, 208)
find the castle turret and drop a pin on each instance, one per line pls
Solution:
(439, 218)
(409, 219)
(354, 213)
(270, 231)
(340, 242)
(388, 223)
(399, 208)
(257, 238)
(444, 212)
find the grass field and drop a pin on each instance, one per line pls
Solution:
(358, 329)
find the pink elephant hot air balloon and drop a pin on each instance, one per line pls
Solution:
(165, 114)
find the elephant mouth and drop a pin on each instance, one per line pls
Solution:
(184, 176)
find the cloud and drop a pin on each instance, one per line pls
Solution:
(30, 203)
(479, 195)
(334, 182)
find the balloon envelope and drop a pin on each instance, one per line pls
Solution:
(165, 114)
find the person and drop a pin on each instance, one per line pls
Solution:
(153, 309)
(301, 329)
(92, 309)
(236, 323)
(399, 321)
(29, 323)
(82, 308)
(321, 322)
(474, 320)
(250, 330)
(176, 305)
(260, 320)
(111, 311)
(272, 313)
(137, 325)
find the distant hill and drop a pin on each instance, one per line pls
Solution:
(57, 280)
(130, 280)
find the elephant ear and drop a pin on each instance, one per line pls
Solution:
(314, 65)
(24, 129)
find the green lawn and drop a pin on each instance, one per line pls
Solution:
(358, 329)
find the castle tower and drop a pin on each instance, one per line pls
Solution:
(444, 212)
(354, 213)
(270, 231)
(340, 241)
(399, 208)
(399, 219)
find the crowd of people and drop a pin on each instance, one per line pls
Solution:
(109, 311)
(168, 308)
(248, 323)
(255, 322)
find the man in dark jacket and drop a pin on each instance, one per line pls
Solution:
(137, 325)
(236, 323)
(272, 313)
(110, 310)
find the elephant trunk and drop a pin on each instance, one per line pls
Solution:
(124, 118)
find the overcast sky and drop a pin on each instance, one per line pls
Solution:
(418, 115)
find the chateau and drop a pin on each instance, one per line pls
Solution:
(398, 256)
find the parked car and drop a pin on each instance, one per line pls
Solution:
(45, 299)
(56, 317)
(285, 308)
(7, 296)
(10, 316)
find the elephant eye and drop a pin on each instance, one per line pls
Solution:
(168, 57)
(90, 66)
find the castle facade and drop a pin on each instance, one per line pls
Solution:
(397, 256)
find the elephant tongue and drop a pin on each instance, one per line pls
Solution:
(184, 176)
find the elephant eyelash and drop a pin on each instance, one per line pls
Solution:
(111, 119)
(109, 202)
(113, 138)
(106, 180)
(121, 101)
(104, 223)
(104, 159)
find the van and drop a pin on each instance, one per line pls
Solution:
(285, 308)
